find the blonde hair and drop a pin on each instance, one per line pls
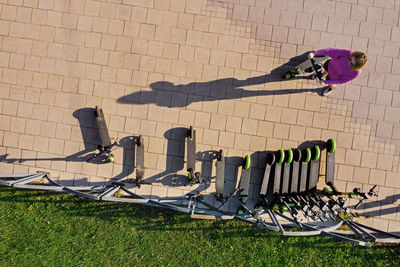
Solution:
(361, 59)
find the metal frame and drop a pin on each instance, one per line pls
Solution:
(364, 235)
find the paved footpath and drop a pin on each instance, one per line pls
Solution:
(156, 66)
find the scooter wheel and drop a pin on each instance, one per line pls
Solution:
(140, 140)
(259, 206)
(317, 152)
(98, 112)
(190, 132)
(281, 155)
(308, 155)
(246, 162)
(271, 158)
(289, 156)
(331, 145)
(190, 173)
(220, 155)
(296, 154)
(240, 211)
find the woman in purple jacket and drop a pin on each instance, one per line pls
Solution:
(340, 66)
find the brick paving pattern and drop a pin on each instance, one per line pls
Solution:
(156, 66)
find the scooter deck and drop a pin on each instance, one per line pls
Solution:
(295, 171)
(285, 178)
(244, 184)
(303, 176)
(277, 178)
(267, 175)
(191, 149)
(314, 173)
(295, 177)
(102, 126)
(139, 158)
(330, 168)
(220, 175)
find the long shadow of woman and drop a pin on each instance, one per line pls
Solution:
(167, 94)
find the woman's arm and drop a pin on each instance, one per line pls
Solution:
(343, 79)
(333, 52)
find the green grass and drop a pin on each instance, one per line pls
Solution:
(52, 229)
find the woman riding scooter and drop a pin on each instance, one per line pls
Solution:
(340, 66)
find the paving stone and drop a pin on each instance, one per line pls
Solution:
(234, 124)
(384, 129)
(287, 18)
(360, 43)
(249, 126)
(226, 139)
(296, 36)
(352, 92)
(336, 122)
(279, 33)
(242, 141)
(359, 12)
(303, 21)
(344, 140)
(390, 16)
(368, 94)
(312, 103)
(257, 143)
(313, 134)
(257, 111)
(392, 82)
(383, 32)
(345, 172)
(361, 175)
(218, 122)
(297, 133)
(321, 120)
(281, 131)
(360, 110)
(353, 157)
(240, 12)
(304, 118)
(228, 108)
(271, 16)
(391, 114)
(367, 29)
(384, 97)
(383, 64)
(377, 177)
(385, 162)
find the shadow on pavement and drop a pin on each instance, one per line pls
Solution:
(166, 94)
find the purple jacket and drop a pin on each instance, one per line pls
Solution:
(339, 66)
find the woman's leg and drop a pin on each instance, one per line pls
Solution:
(328, 90)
